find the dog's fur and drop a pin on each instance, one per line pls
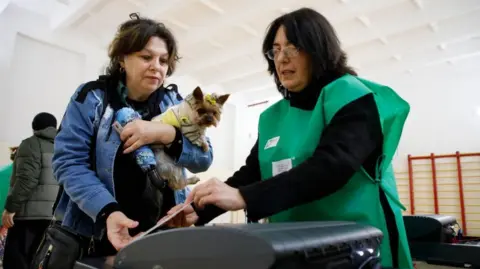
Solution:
(192, 116)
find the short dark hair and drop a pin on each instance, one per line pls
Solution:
(43, 120)
(311, 32)
(133, 35)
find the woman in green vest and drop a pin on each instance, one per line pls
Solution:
(5, 175)
(323, 152)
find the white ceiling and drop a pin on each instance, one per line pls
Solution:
(220, 40)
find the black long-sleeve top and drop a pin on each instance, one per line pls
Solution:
(352, 139)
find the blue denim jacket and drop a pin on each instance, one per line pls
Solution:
(87, 192)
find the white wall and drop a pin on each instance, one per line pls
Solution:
(4, 153)
(246, 131)
(42, 77)
(444, 115)
(3, 5)
(39, 69)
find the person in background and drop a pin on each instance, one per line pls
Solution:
(5, 175)
(323, 152)
(28, 209)
(103, 204)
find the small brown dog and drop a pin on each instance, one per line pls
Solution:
(192, 116)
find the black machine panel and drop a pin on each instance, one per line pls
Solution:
(318, 244)
(430, 228)
(435, 240)
(256, 246)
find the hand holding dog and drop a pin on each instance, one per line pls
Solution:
(140, 132)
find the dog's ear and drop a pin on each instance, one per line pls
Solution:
(223, 98)
(198, 94)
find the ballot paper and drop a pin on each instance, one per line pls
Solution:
(162, 221)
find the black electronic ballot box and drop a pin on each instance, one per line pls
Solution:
(438, 240)
(253, 246)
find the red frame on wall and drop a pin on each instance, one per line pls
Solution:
(432, 157)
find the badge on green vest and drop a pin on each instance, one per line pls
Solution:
(272, 142)
(279, 167)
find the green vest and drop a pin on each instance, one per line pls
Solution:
(5, 174)
(288, 136)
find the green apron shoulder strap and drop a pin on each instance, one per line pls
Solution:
(272, 110)
(393, 111)
(349, 88)
(340, 93)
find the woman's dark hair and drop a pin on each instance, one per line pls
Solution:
(310, 31)
(133, 35)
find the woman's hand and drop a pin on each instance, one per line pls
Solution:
(217, 193)
(7, 219)
(140, 132)
(186, 218)
(117, 229)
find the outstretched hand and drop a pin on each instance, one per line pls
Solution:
(217, 193)
(117, 229)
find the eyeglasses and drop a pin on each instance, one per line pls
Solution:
(289, 52)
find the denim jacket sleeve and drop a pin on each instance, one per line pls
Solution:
(193, 157)
(71, 159)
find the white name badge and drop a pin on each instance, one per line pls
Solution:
(272, 142)
(281, 166)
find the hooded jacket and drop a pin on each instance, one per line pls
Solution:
(33, 188)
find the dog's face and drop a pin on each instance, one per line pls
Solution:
(208, 108)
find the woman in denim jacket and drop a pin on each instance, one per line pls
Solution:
(111, 199)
